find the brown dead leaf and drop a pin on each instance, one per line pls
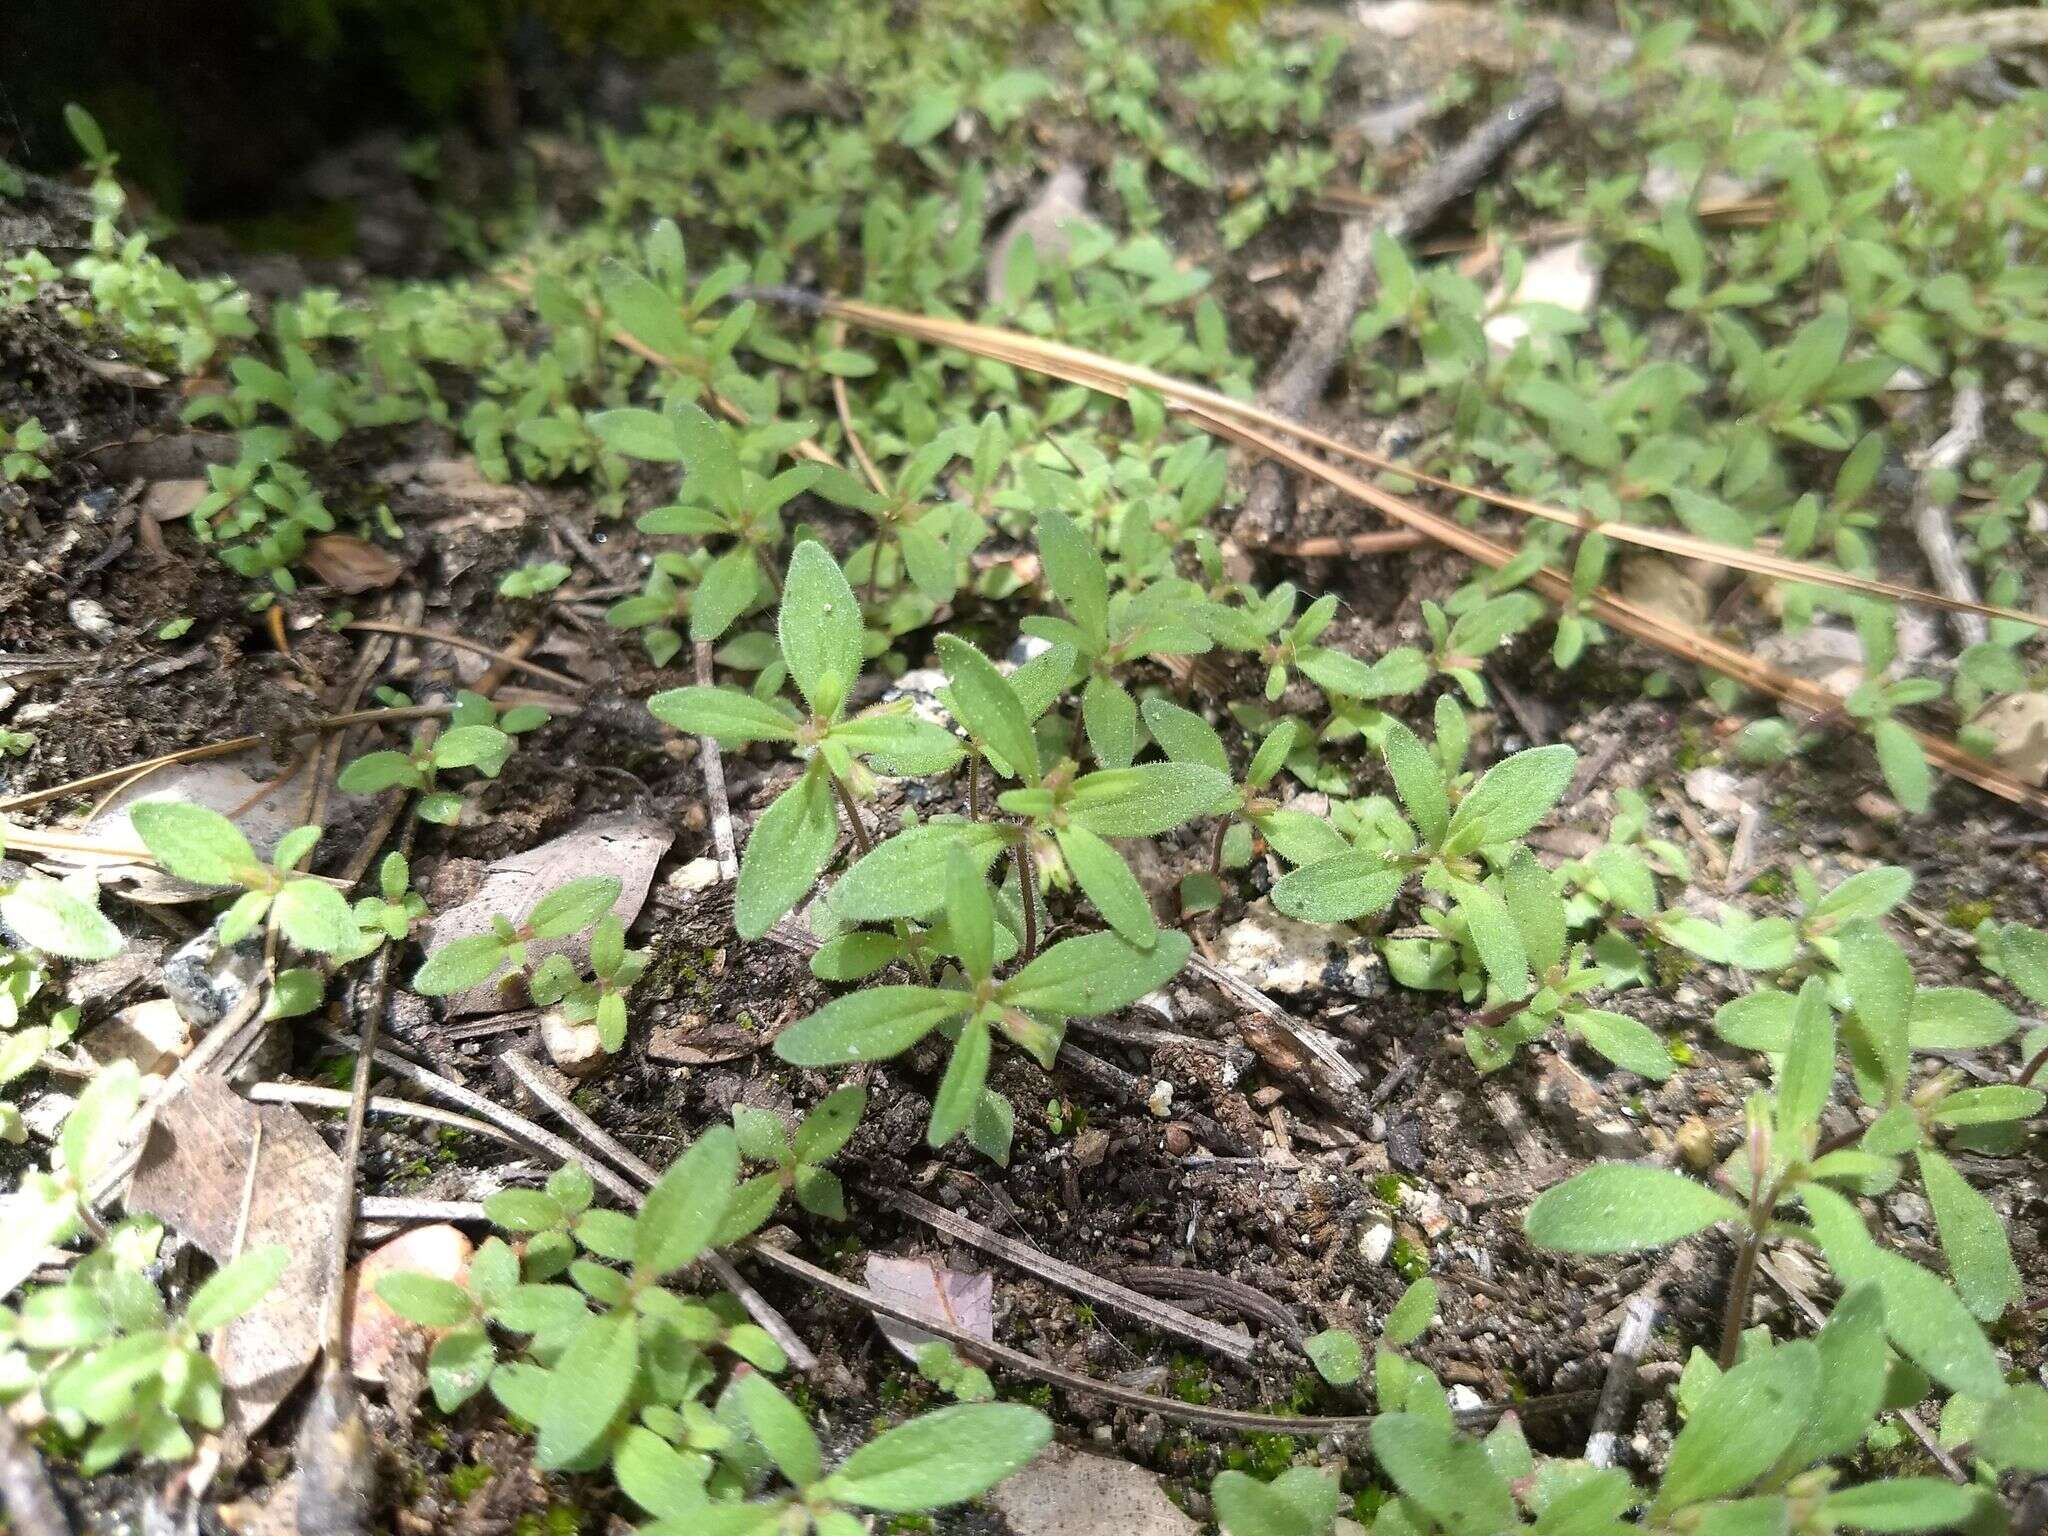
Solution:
(964, 1298)
(168, 500)
(377, 1335)
(192, 1173)
(698, 1041)
(349, 564)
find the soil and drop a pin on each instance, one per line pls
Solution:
(1247, 1178)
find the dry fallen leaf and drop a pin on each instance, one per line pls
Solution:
(377, 1335)
(193, 1171)
(349, 564)
(964, 1298)
(698, 1040)
(627, 847)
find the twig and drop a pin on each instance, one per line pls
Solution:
(505, 658)
(844, 407)
(712, 762)
(227, 748)
(1325, 326)
(1154, 1313)
(1638, 1320)
(1931, 526)
(1387, 541)
(1344, 1077)
(1030, 1365)
(315, 1097)
(32, 1507)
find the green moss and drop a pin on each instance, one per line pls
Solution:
(466, 1481)
(1264, 1456)
(1966, 915)
(1387, 1188)
(555, 1520)
(1410, 1260)
(1190, 1380)
(1770, 883)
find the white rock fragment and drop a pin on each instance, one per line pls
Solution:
(577, 1049)
(1278, 955)
(1561, 276)
(1160, 1100)
(90, 619)
(696, 876)
(1376, 1243)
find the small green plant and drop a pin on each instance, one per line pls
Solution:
(477, 737)
(819, 631)
(204, 847)
(797, 1162)
(599, 998)
(536, 580)
(1080, 977)
(117, 1373)
(567, 910)
(673, 1393)
(23, 452)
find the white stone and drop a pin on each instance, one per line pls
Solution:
(1562, 276)
(1276, 954)
(1070, 1493)
(1160, 1100)
(697, 875)
(577, 1049)
(90, 619)
(1376, 1243)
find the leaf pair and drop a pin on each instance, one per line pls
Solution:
(204, 847)
(819, 631)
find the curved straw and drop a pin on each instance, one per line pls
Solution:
(1083, 367)
(1239, 420)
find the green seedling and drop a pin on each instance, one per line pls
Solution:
(477, 737)
(797, 1163)
(565, 911)
(204, 847)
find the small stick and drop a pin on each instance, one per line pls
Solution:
(506, 659)
(226, 748)
(1325, 327)
(1388, 541)
(1030, 1365)
(32, 1507)
(1343, 1072)
(337, 1466)
(845, 410)
(1931, 527)
(316, 1097)
(712, 762)
(1638, 1320)
(1160, 1315)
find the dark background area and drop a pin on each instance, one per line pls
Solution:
(217, 106)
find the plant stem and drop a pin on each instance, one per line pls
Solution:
(1027, 893)
(1740, 1283)
(974, 786)
(861, 840)
(1216, 847)
(2034, 1067)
